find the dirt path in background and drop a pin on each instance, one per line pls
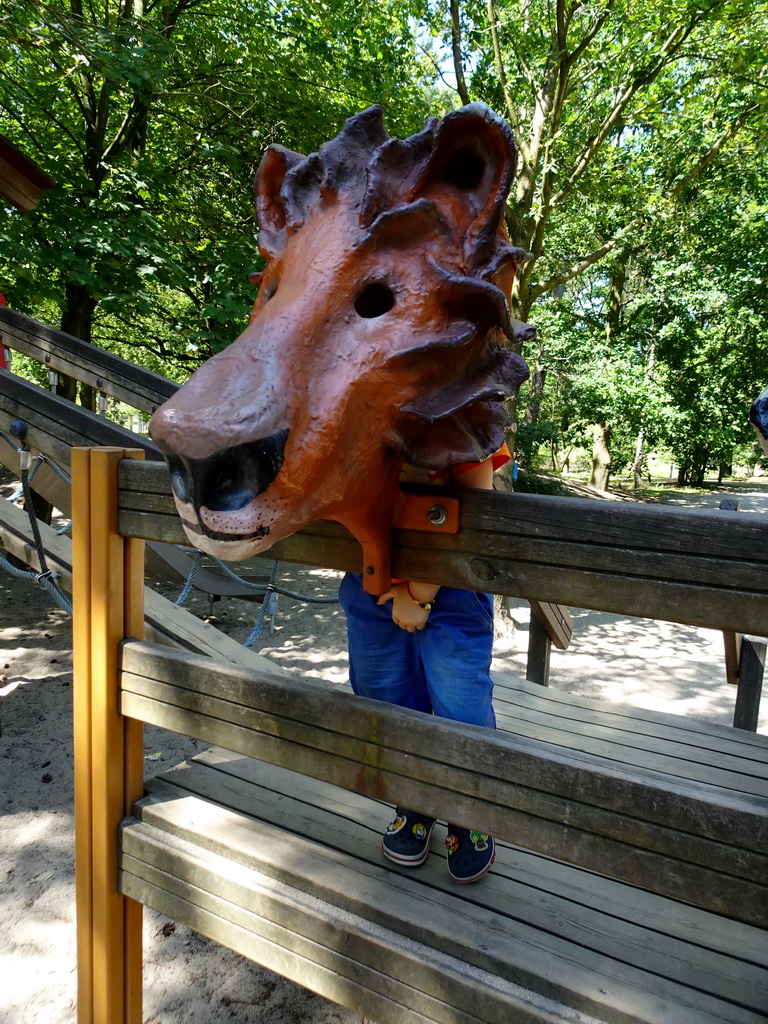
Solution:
(190, 980)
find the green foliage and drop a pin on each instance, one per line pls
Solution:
(152, 120)
(531, 439)
(641, 130)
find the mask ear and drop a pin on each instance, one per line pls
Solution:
(468, 176)
(270, 208)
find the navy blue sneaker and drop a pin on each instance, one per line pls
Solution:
(470, 853)
(406, 840)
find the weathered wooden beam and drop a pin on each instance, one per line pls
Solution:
(697, 842)
(22, 182)
(751, 671)
(104, 371)
(688, 566)
(549, 624)
(556, 621)
(55, 426)
(539, 651)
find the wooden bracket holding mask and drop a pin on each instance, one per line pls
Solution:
(430, 513)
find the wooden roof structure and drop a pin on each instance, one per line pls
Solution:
(22, 182)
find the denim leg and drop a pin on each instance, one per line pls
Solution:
(456, 650)
(384, 660)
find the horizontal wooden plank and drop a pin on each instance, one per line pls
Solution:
(680, 728)
(681, 760)
(412, 974)
(638, 526)
(606, 917)
(55, 425)
(694, 840)
(557, 957)
(713, 606)
(688, 579)
(707, 569)
(279, 950)
(659, 858)
(673, 735)
(353, 823)
(542, 767)
(104, 371)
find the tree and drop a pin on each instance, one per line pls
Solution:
(622, 112)
(152, 118)
(617, 108)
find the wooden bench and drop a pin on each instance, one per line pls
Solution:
(286, 868)
(632, 879)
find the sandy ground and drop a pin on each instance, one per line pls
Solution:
(189, 980)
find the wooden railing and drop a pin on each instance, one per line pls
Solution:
(673, 831)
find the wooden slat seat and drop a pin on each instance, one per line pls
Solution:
(684, 747)
(287, 869)
(693, 829)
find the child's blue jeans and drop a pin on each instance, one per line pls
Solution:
(443, 668)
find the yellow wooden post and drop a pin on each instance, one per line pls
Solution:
(108, 579)
(81, 641)
(133, 626)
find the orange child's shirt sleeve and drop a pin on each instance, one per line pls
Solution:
(497, 460)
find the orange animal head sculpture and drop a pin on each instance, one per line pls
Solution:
(377, 337)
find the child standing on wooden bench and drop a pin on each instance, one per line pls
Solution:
(429, 648)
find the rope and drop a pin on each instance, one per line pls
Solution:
(264, 588)
(268, 607)
(9, 440)
(190, 578)
(29, 504)
(46, 578)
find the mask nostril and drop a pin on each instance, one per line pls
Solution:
(179, 480)
(232, 479)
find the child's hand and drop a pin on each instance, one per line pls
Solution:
(405, 612)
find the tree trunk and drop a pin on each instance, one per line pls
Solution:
(637, 465)
(77, 320)
(615, 297)
(601, 458)
(536, 392)
(458, 62)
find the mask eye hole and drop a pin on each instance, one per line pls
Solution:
(374, 300)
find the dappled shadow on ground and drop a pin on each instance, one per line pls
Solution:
(308, 639)
(752, 497)
(22, 630)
